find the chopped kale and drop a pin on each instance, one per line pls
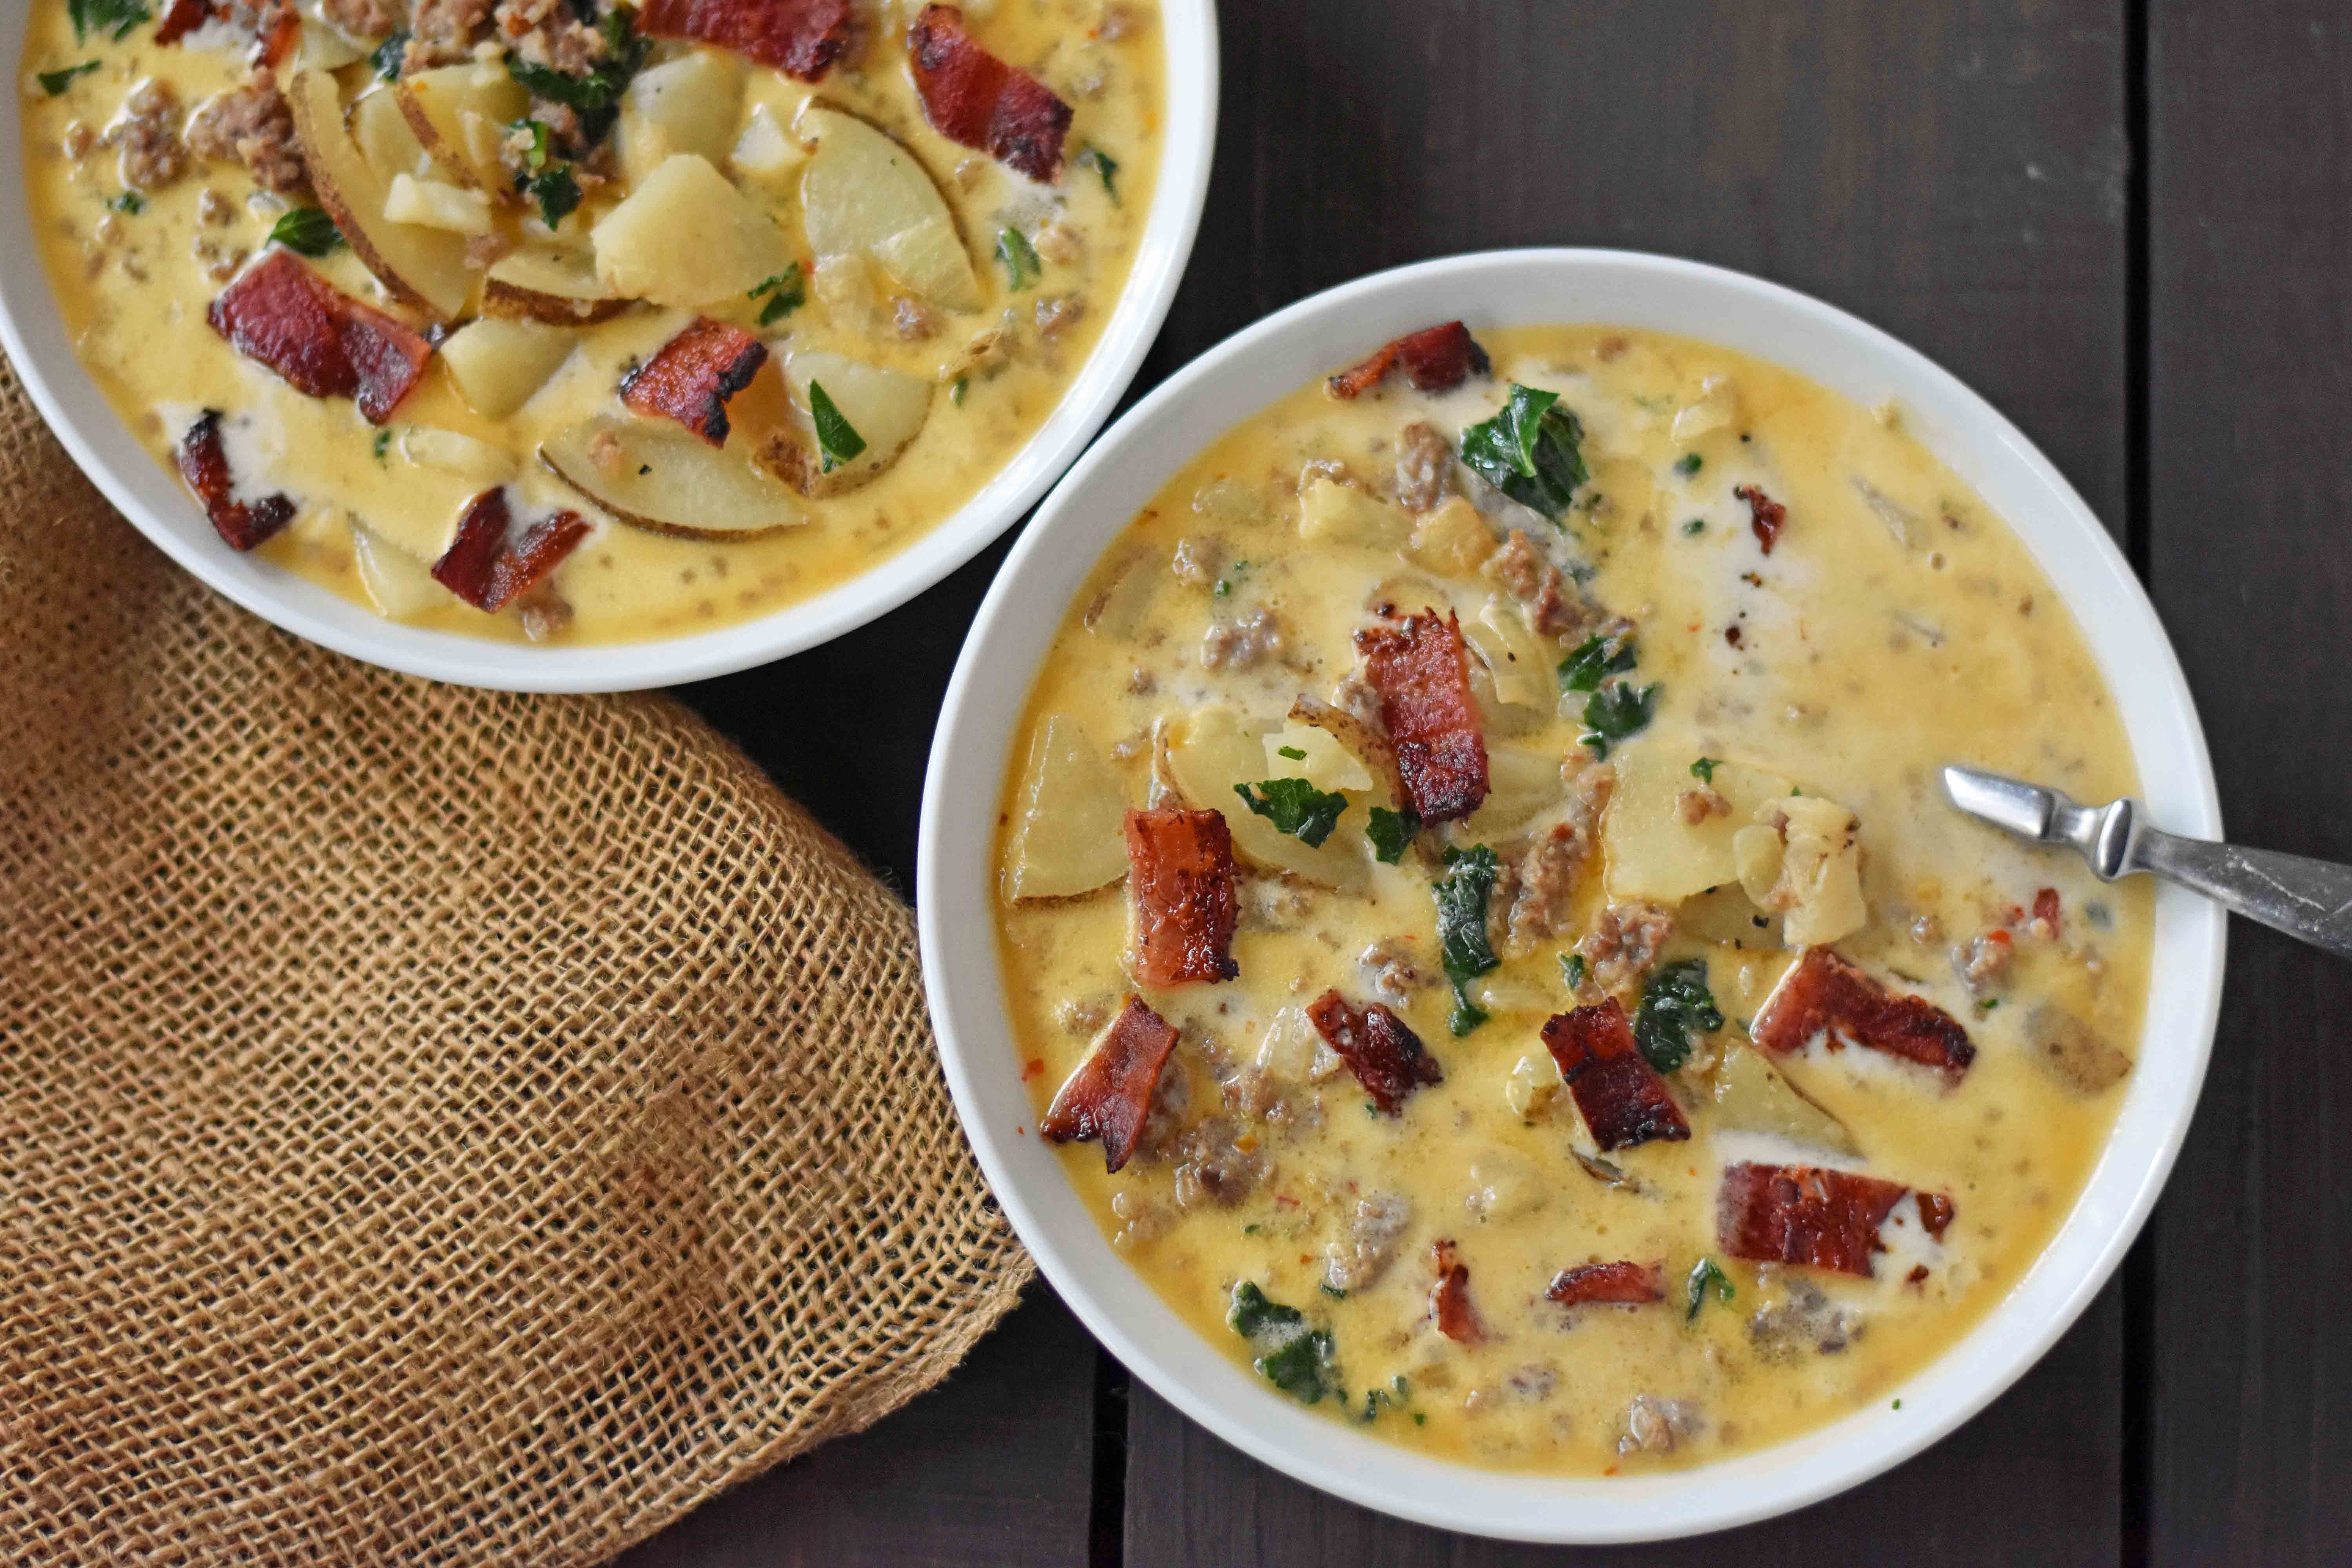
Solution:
(1462, 894)
(596, 94)
(57, 81)
(1530, 451)
(555, 190)
(1332, 1291)
(388, 55)
(114, 17)
(837, 440)
(1688, 464)
(1297, 807)
(1391, 832)
(1293, 1357)
(1695, 527)
(1676, 1005)
(1705, 1278)
(382, 444)
(787, 291)
(129, 202)
(1617, 712)
(956, 393)
(1703, 769)
(1571, 969)
(1022, 266)
(1595, 658)
(1106, 168)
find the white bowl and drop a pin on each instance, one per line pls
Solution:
(956, 883)
(154, 501)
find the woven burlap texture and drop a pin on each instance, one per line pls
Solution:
(435, 1126)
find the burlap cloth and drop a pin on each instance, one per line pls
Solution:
(434, 1126)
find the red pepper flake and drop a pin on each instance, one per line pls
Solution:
(1824, 994)
(325, 344)
(1449, 1298)
(489, 566)
(1387, 1058)
(2045, 914)
(971, 96)
(1803, 1214)
(270, 48)
(1109, 1095)
(805, 38)
(1622, 1098)
(203, 463)
(1180, 879)
(693, 376)
(1033, 1067)
(1421, 667)
(1765, 515)
(1434, 359)
(1622, 1284)
(1917, 1276)
(183, 17)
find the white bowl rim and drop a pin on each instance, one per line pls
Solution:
(105, 451)
(956, 890)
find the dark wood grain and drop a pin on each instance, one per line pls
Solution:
(2251, 249)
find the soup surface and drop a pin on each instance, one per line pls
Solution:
(1513, 788)
(721, 311)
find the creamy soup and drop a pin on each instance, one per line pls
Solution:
(1474, 870)
(718, 302)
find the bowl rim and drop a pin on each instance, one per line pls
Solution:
(103, 447)
(955, 900)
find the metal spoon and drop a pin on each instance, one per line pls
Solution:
(2308, 899)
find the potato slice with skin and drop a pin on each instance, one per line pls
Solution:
(685, 238)
(1362, 741)
(499, 365)
(546, 283)
(386, 143)
(1325, 763)
(436, 104)
(865, 194)
(423, 268)
(665, 480)
(477, 461)
(690, 104)
(886, 407)
(1753, 1096)
(1208, 751)
(1332, 513)
(397, 581)
(1070, 837)
(1652, 852)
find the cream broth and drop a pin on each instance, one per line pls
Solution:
(1895, 625)
(133, 288)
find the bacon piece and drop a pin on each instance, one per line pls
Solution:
(1624, 1100)
(1434, 359)
(1824, 993)
(971, 96)
(1625, 1284)
(800, 37)
(280, 31)
(1110, 1094)
(694, 374)
(2045, 914)
(1765, 515)
(1805, 1214)
(203, 463)
(488, 566)
(1386, 1057)
(325, 344)
(1449, 1298)
(1180, 874)
(183, 17)
(1935, 1213)
(1421, 671)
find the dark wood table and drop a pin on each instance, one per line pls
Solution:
(2129, 226)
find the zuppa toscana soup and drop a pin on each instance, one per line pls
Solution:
(567, 319)
(1481, 923)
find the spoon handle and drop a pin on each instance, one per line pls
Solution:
(2309, 899)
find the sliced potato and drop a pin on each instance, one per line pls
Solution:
(865, 194)
(1366, 742)
(323, 47)
(500, 365)
(436, 203)
(424, 268)
(1516, 661)
(886, 407)
(1753, 1096)
(685, 238)
(1332, 513)
(1124, 595)
(686, 105)
(1451, 539)
(766, 152)
(658, 476)
(470, 457)
(1654, 851)
(1522, 784)
(398, 582)
(458, 114)
(2071, 1051)
(386, 143)
(1070, 837)
(1716, 405)
(1801, 858)
(1323, 762)
(1210, 751)
(549, 283)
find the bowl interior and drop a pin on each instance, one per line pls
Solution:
(75, 408)
(1267, 361)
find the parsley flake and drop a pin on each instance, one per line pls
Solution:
(1688, 464)
(1703, 769)
(1105, 167)
(787, 291)
(1707, 1277)
(57, 81)
(1022, 265)
(837, 441)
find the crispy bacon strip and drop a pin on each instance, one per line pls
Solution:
(1110, 1096)
(1765, 515)
(1449, 1298)
(693, 376)
(1624, 1100)
(1823, 993)
(203, 463)
(800, 37)
(1434, 359)
(971, 96)
(1387, 1058)
(488, 566)
(1421, 670)
(1624, 1284)
(1180, 875)
(1805, 1214)
(183, 17)
(325, 344)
